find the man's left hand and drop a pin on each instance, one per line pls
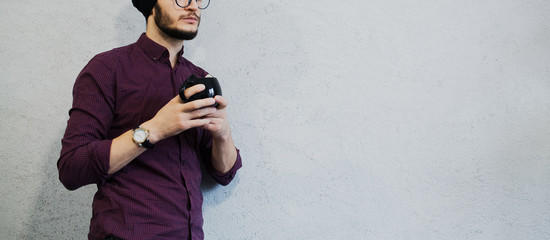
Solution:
(219, 123)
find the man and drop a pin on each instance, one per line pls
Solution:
(130, 133)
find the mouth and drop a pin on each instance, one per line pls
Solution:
(191, 18)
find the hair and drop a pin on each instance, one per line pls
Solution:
(144, 6)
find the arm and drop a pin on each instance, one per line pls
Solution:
(176, 117)
(172, 119)
(85, 146)
(223, 159)
(224, 153)
(87, 154)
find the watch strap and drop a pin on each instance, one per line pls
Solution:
(147, 144)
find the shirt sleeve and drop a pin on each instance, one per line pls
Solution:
(206, 153)
(85, 151)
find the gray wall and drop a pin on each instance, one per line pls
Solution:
(356, 119)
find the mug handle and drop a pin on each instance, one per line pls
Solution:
(191, 81)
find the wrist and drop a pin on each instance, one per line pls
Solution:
(154, 135)
(223, 138)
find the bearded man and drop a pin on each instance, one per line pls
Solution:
(131, 134)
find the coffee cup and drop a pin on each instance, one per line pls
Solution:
(212, 88)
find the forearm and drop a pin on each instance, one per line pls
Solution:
(224, 154)
(124, 149)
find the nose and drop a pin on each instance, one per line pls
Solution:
(193, 5)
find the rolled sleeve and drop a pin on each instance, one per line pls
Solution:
(226, 178)
(85, 152)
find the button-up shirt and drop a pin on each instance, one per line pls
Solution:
(157, 195)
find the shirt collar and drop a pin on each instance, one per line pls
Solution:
(154, 50)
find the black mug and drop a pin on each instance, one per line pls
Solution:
(212, 88)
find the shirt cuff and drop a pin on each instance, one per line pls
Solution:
(225, 178)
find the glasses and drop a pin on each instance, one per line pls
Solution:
(202, 4)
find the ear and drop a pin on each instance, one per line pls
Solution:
(154, 9)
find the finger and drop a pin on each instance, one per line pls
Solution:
(211, 127)
(221, 101)
(194, 90)
(177, 99)
(215, 125)
(202, 112)
(197, 104)
(201, 122)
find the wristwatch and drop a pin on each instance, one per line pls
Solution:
(140, 136)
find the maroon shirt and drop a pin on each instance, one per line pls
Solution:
(157, 195)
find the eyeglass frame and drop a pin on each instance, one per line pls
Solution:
(189, 3)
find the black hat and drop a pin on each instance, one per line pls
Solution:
(144, 6)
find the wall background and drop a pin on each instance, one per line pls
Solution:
(356, 119)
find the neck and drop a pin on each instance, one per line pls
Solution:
(173, 45)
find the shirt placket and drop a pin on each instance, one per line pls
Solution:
(187, 183)
(183, 161)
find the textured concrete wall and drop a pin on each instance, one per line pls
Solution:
(356, 119)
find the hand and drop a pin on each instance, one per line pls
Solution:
(176, 116)
(218, 123)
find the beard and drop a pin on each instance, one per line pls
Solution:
(164, 22)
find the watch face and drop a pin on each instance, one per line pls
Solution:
(140, 135)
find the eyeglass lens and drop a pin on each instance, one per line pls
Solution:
(202, 4)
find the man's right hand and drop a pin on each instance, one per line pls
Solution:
(172, 119)
(177, 116)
